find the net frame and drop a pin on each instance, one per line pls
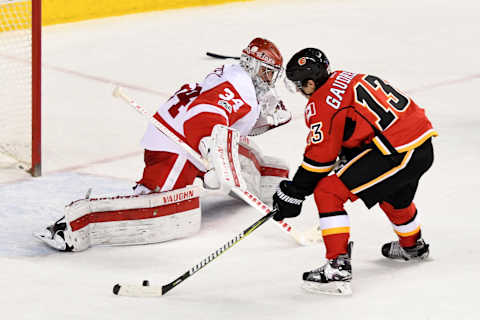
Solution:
(31, 23)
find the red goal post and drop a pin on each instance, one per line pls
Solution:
(20, 83)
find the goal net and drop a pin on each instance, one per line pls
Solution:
(20, 88)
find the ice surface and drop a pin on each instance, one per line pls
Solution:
(427, 48)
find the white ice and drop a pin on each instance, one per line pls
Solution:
(428, 48)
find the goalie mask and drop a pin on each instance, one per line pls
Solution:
(263, 62)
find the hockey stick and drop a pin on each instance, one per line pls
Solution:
(302, 239)
(145, 290)
(220, 56)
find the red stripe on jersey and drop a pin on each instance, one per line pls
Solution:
(134, 214)
(175, 132)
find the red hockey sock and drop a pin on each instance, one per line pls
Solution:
(404, 223)
(330, 195)
(336, 244)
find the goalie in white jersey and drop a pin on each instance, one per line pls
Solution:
(229, 96)
(166, 205)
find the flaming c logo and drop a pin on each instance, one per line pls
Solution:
(302, 61)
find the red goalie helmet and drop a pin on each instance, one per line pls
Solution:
(263, 61)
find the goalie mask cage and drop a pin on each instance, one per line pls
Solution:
(20, 84)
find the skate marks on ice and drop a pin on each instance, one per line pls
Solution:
(29, 205)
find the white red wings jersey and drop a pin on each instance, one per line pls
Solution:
(353, 110)
(228, 92)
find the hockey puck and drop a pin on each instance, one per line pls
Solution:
(116, 289)
(145, 283)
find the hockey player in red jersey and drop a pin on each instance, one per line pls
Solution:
(165, 204)
(383, 139)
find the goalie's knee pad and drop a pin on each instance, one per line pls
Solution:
(136, 219)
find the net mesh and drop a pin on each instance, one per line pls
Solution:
(15, 81)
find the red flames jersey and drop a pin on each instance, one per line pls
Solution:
(351, 110)
(226, 96)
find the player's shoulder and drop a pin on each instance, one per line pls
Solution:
(343, 77)
(234, 72)
(241, 81)
(231, 77)
(238, 77)
(335, 93)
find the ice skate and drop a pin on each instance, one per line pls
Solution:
(54, 235)
(333, 278)
(393, 250)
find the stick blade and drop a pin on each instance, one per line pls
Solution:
(127, 290)
(220, 56)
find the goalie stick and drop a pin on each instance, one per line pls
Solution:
(306, 238)
(145, 290)
(220, 56)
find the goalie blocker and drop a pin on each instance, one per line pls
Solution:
(157, 217)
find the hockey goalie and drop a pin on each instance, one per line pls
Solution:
(215, 118)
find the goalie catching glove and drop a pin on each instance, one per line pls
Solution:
(273, 114)
(287, 200)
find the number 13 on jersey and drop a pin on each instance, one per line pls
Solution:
(381, 99)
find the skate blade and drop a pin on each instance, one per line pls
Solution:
(336, 288)
(410, 259)
(46, 237)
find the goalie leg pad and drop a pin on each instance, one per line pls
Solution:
(222, 155)
(262, 173)
(131, 220)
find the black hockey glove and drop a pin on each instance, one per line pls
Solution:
(287, 200)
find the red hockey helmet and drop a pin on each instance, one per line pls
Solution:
(263, 61)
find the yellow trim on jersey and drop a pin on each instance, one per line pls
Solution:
(386, 174)
(406, 234)
(406, 147)
(383, 149)
(338, 230)
(311, 168)
(417, 142)
(339, 173)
